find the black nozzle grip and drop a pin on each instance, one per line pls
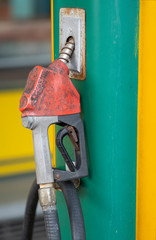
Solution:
(80, 167)
(59, 143)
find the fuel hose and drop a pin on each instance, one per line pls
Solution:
(52, 223)
(74, 210)
(30, 212)
(50, 217)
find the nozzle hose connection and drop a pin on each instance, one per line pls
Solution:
(67, 50)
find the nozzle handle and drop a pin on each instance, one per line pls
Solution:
(39, 127)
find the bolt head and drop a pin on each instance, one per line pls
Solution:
(58, 176)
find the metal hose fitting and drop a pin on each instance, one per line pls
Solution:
(67, 50)
(47, 195)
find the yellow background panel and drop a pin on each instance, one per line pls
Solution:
(16, 144)
(19, 168)
(52, 146)
(146, 176)
(15, 140)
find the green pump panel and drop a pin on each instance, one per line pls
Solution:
(109, 111)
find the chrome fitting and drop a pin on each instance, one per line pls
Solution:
(47, 196)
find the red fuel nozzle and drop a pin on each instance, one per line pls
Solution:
(49, 92)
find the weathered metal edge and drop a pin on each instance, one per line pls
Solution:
(82, 14)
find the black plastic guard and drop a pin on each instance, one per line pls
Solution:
(75, 121)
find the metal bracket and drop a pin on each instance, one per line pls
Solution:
(72, 23)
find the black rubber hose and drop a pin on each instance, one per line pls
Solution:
(51, 223)
(30, 212)
(74, 210)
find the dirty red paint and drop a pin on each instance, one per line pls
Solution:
(50, 92)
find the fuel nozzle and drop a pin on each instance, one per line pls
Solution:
(50, 98)
(43, 100)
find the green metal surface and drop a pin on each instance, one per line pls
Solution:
(109, 111)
